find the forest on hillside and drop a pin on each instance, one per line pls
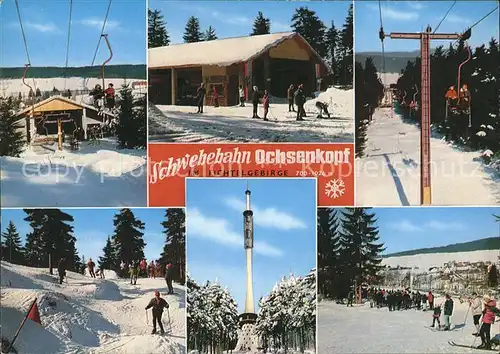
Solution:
(112, 71)
(395, 62)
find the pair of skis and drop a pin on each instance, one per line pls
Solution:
(453, 344)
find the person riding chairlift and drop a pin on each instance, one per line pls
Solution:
(451, 97)
(97, 94)
(464, 97)
(110, 96)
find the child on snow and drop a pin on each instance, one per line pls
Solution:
(436, 315)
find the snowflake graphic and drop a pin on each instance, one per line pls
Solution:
(335, 188)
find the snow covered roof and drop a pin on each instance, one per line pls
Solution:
(221, 52)
(59, 98)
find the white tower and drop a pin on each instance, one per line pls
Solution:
(247, 340)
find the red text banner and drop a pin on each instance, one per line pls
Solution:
(170, 164)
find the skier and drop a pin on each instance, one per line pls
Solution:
(133, 270)
(289, 95)
(110, 96)
(61, 269)
(322, 107)
(430, 299)
(242, 96)
(168, 278)
(91, 265)
(488, 320)
(265, 104)
(477, 311)
(200, 96)
(158, 304)
(101, 272)
(350, 298)
(300, 99)
(143, 268)
(448, 311)
(97, 94)
(255, 101)
(151, 269)
(215, 97)
(436, 315)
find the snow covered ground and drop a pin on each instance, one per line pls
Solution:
(426, 261)
(360, 329)
(14, 86)
(233, 124)
(94, 176)
(88, 315)
(389, 174)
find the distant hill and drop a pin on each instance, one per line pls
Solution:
(111, 71)
(491, 243)
(394, 61)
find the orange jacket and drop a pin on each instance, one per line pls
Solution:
(451, 94)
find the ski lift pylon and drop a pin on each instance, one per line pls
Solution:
(107, 60)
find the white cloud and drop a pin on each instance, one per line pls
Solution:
(219, 231)
(280, 27)
(405, 226)
(268, 217)
(443, 226)
(97, 23)
(416, 5)
(46, 27)
(399, 15)
(452, 18)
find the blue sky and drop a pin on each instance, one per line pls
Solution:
(284, 231)
(414, 16)
(235, 18)
(46, 26)
(403, 229)
(92, 227)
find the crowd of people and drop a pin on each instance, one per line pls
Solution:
(295, 96)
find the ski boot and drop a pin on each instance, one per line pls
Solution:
(153, 331)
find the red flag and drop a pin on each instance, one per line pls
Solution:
(34, 314)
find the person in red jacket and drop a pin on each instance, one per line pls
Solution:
(430, 298)
(91, 266)
(110, 96)
(143, 265)
(265, 103)
(215, 97)
(488, 320)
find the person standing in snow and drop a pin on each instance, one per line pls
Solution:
(134, 270)
(265, 104)
(91, 265)
(168, 278)
(215, 97)
(350, 298)
(289, 95)
(436, 315)
(300, 100)
(143, 268)
(255, 101)
(430, 299)
(488, 319)
(242, 96)
(477, 310)
(200, 96)
(158, 304)
(61, 269)
(448, 312)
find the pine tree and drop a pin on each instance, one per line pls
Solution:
(139, 123)
(31, 94)
(11, 136)
(174, 250)
(127, 237)
(308, 25)
(192, 32)
(108, 261)
(210, 34)
(157, 30)
(360, 252)
(83, 266)
(55, 91)
(38, 93)
(126, 128)
(346, 49)
(328, 248)
(52, 236)
(261, 25)
(331, 39)
(12, 249)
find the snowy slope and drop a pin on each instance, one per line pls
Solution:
(233, 124)
(11, 86)
(96, 175)
(389, 174)
(360, 329)
(87, 315)
(425, 261)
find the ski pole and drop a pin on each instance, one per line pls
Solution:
(147, 319)
(169, 322)
(465, 319)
